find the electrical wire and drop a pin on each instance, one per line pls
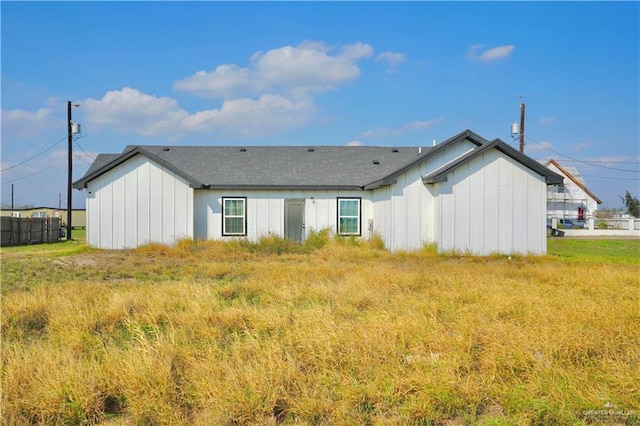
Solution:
(83, 160)
(581, 161)
(610, 178)
(605, 161)
(36, 173)
(35, 156)
(93, 157)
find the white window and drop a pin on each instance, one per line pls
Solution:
(349, 216)
(234, 216)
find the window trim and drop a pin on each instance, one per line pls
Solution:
(244, 217)
(338, 216)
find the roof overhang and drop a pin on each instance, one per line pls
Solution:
(82, 183)
(391, 178)
(280, 187)
(440, 175)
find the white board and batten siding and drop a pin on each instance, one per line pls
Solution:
(402, 213)
(137, 203)
(405, 211)
(492, 204)
(265, 211)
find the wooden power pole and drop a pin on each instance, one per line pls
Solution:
(69, 180)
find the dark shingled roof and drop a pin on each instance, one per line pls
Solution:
(268, 166)
(282, 167)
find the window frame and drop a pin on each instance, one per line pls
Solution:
(225, 216)
(359, 217)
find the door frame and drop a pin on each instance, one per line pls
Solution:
(288, 233)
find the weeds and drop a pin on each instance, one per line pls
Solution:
(330, 332)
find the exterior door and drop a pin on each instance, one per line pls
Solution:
(294, 219)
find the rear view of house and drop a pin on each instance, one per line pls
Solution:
(466, 194)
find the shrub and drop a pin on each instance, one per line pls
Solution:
(317, 239)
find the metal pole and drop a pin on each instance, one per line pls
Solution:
(522, 128)
(11, 196)
(69, 182)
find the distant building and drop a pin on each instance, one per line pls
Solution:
(571, 199)
(78, 216)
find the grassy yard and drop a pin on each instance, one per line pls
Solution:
(334, 332)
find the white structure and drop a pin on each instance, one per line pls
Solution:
(571, 199)
(465, 194)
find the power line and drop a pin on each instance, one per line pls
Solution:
(606, 161)
(93, 157)
(82, 159)
(582, 161)
(31, 158)
(33, 174)
(611, 178)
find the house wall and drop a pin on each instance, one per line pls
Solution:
(265, 211)
(492, 204)
(136, 203)
(405, 211)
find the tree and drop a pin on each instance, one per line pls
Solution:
(632, 204)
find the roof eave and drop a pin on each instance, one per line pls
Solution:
(429, 180)
(230, 187)
(441, 175)
(82, 183)
(380, 183)
(469, 135)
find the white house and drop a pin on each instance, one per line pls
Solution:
(570, 199)
(466, 194)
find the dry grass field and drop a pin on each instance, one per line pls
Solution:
(329, 333)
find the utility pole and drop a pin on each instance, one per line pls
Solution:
(71, 129)
(11, 196)
(70, 170)
(521, 127)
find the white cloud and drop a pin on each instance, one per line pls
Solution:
(274, 93)
(19, 123)
(423, 124)
(247, 117)
(543, 147)
(614, 159)
(357, 51)
(354, 143)
(416, 125)
(546, 120)
(578, 147)
(392, 58)
(477, 52)
(131, 111)
(290, 70)
(226, 81)
(382, 132)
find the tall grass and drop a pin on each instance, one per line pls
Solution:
(341, 333)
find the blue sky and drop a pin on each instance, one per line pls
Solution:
(307, 73)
